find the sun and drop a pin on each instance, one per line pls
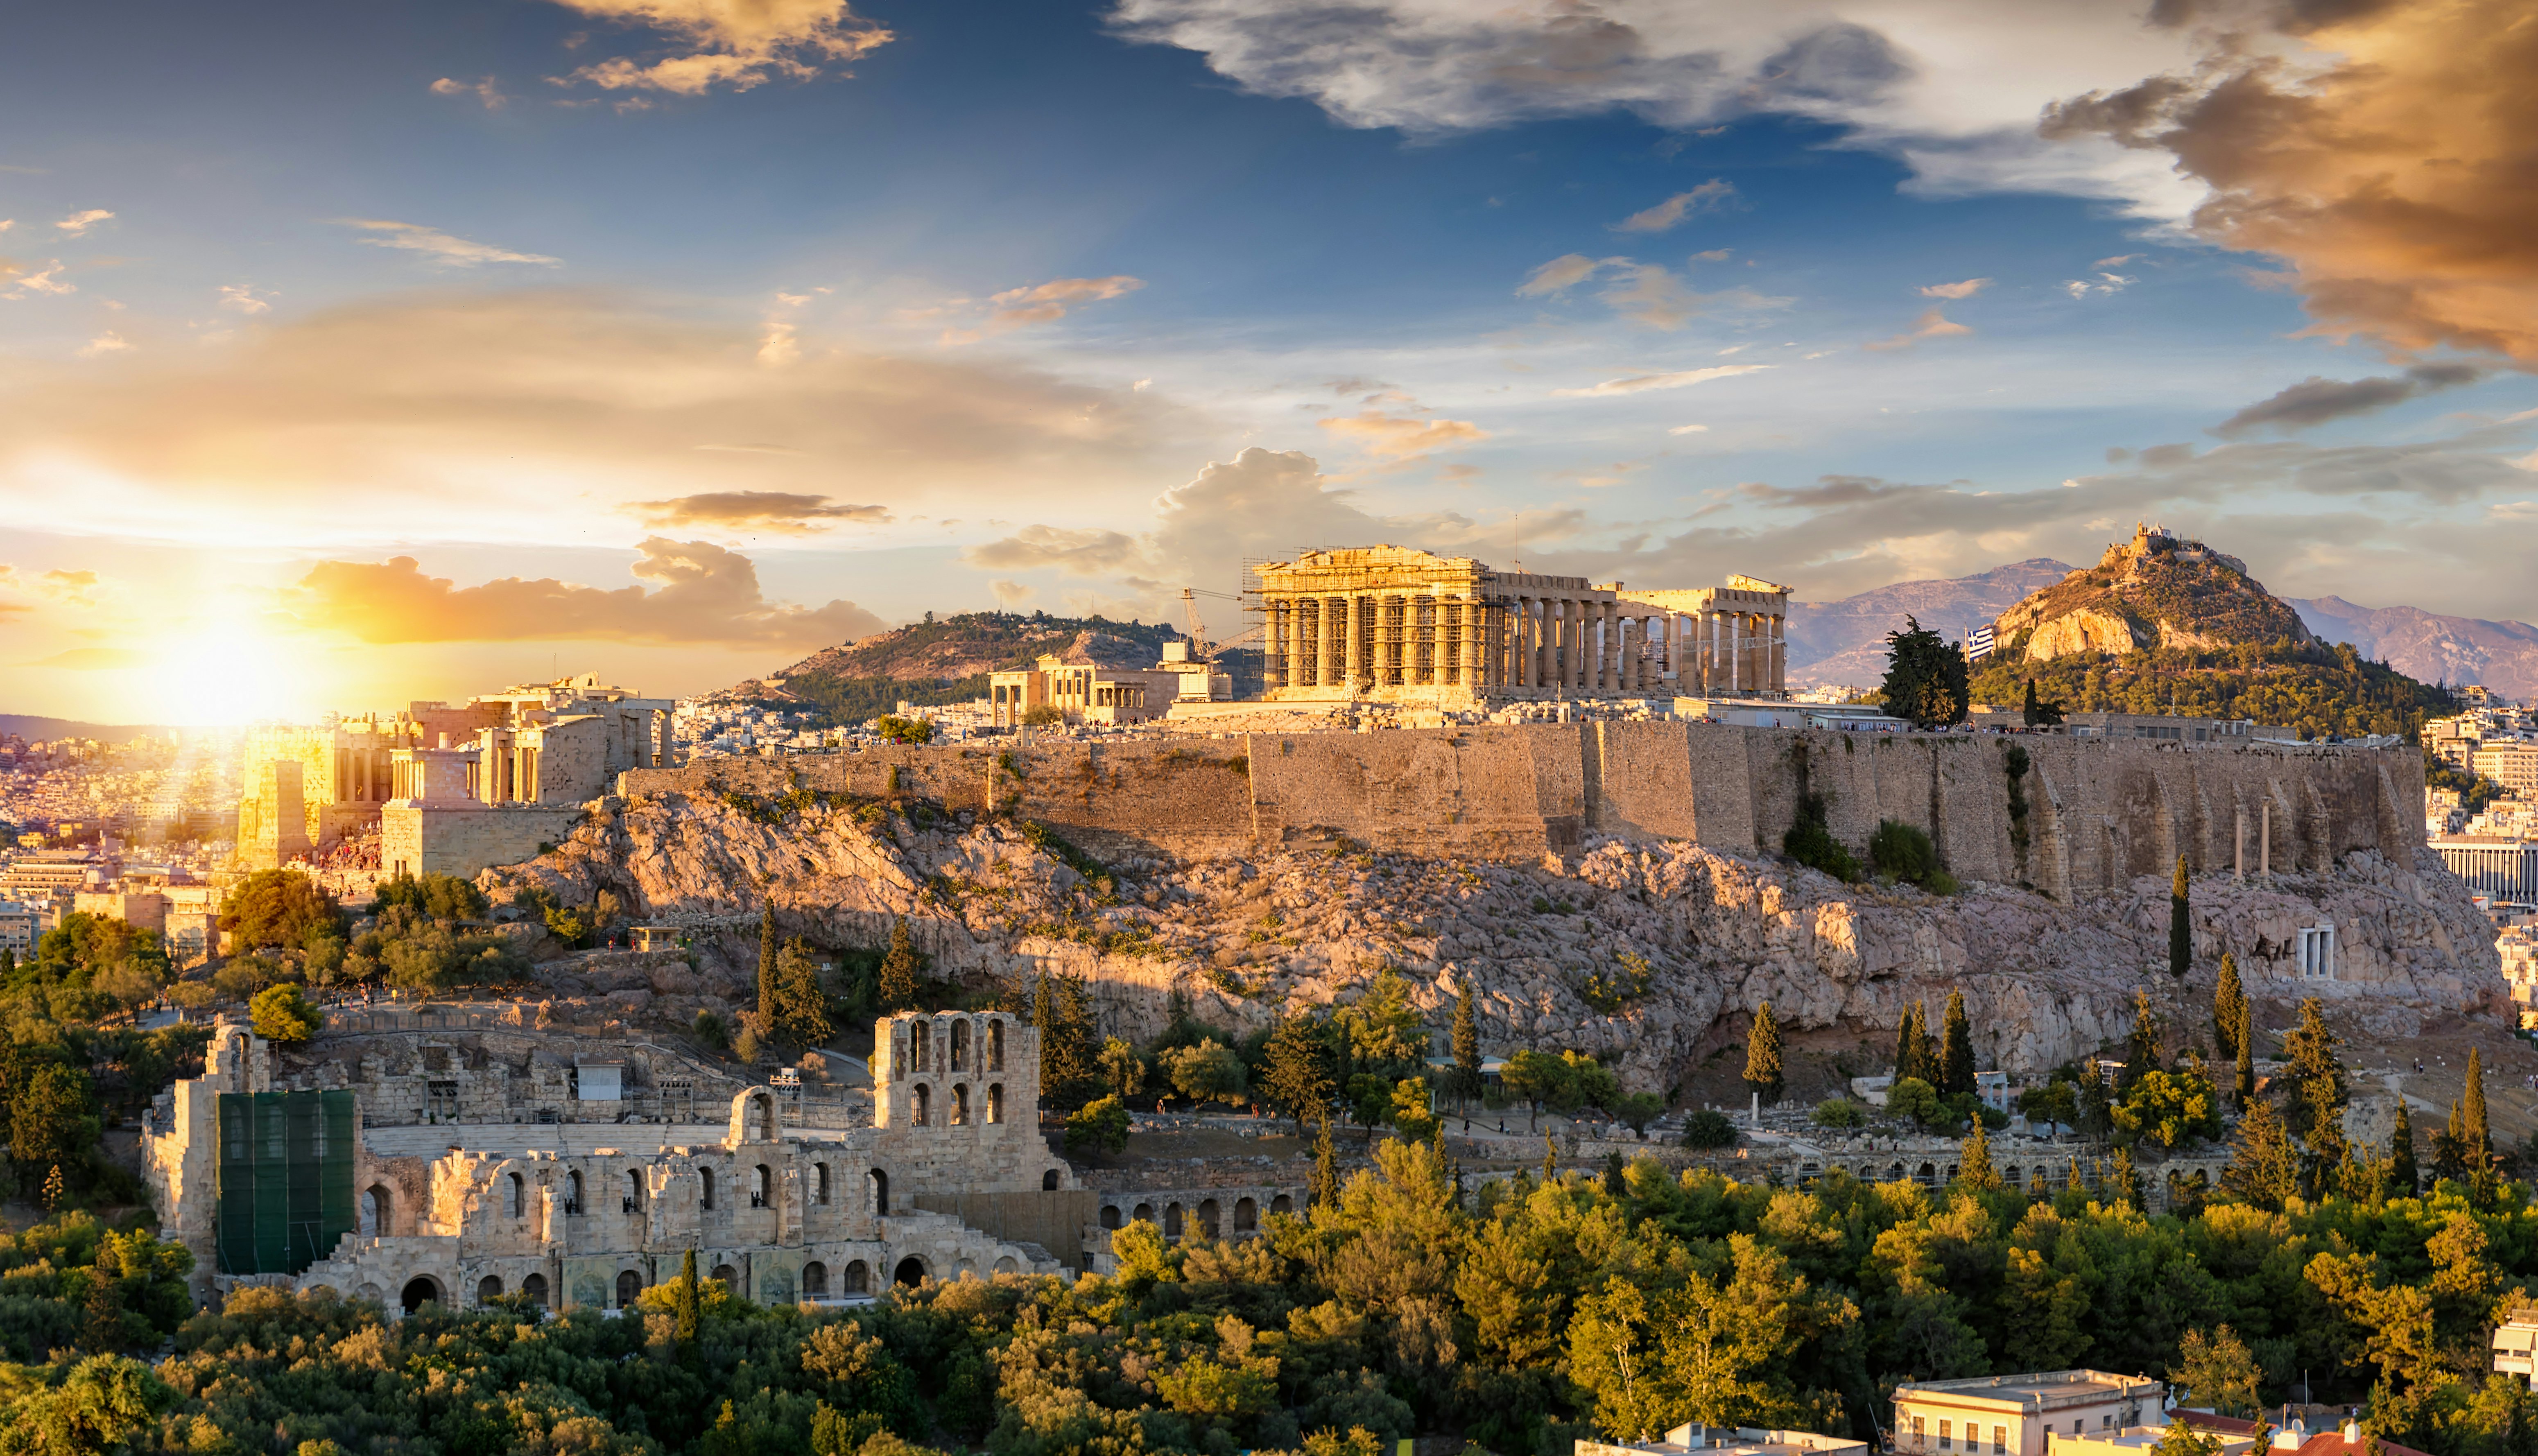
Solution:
(230, 670)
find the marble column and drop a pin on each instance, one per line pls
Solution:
(1438, 671)
(1295, 642)
(1352, 640)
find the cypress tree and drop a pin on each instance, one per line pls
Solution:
(2404, 1178)
(1467, 1047)
(2264, 1169)
(1973, 1162)
(2247, 1041)
(1326, 1167)
(801, 1001)
(1763, 1071)
(2027, 711)
(2228, 1003)
(1912, 1046)
(2478, 1147)
(683, 1301)
(2180, 926)
(2319, 1094)
(897, 984)
(1956, 1050)
(766, 997)
(2449, 1148)
(2140, 1044)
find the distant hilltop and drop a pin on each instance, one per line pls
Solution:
(2156, 590)
(933, 661)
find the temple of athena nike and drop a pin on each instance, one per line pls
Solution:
(1394, 623)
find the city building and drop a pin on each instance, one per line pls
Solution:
(20, 926)
(2159, 727)
(1396, 624)
(2511, 763)
(1742, 1441)
(2017, 1414)
(2502, 867)
(2139, 1441)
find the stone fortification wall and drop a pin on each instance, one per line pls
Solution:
(2089, 813)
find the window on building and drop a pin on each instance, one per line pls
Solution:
(1916, 1430)
(704, 1186)
(1944, 1442)
(2000, 1439)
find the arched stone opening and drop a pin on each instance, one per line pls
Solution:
(535, 1287)
(961, 1046)
(923, 1101)
(996, 1045)
(572, 1191)
(1928, 1174)
(1048, 1181)
(996, 1101)
(961, 1104)
(519, 1196)
(815, 1281)
(420, 1290)
(1246, 1215)
(881, 1192)
(762, 1115)
(1109, 1216)
(1144, 1212)
(1207, 1217)
(633, 1197)
(630, 1288)
(705, 1188)
(371, 1293)
(489, 1288)
(820, 1183)
(858, 1279)
(761, 1187)
(1171, 1221)
(910, 1272)
(1005, 1265)
(378, 1212)
(730, 1277)
(1282, 1204)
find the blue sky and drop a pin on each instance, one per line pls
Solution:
(402, 361)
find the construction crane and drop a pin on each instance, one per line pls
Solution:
(1200, 651)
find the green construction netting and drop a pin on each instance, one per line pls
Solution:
(285, 1178)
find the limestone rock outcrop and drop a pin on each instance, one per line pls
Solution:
(1242, 938)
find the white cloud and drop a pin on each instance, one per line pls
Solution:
(439, 246)
(1714, 193)
(47, 281)
(1713, 255)
(1954, 90)
(1688, 429)
(482, 89)
(2117, 261)
(7, 223)
(1932, 324)
(1558, 276)
(242, 297)
(2107, 283)
(109, 342)
(78, 224)
(1640, 383)
(1964, 289)
(735, 43)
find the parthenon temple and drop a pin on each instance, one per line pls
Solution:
(1397, 623)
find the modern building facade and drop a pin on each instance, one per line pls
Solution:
(2495, 865)
(2017, 1414)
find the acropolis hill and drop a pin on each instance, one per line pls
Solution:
(1250, 871)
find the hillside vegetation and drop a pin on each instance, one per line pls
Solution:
(948, 660)
(2163, 625)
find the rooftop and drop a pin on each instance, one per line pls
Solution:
(2060, 1385)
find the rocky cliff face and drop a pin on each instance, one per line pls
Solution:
(1716, 933)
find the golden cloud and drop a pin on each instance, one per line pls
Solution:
(1932, 324)
(1400, 438)
(2388, 167)
(506, 416)
(739, 43)
(774, 510)
(706, 594)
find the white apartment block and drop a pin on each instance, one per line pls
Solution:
(2019, 1415)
